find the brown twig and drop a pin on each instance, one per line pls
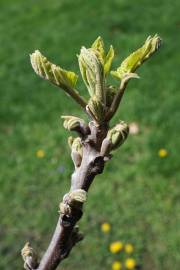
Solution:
(66, 234)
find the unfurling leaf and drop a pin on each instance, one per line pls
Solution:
(72, 122)
(118, 134)
(137, 58)
(106, 60)
(98, 46)
(49, 71)
(92, 72)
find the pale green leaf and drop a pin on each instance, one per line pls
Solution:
(108, 60)
(98, 45)
(116, 74)
(51, 72)
(92, 71)
(69, 77)
(137, 58)
(118, 134)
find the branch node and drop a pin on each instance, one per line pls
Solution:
(76, 235)
(73, 123)
(77, 196)
(71, 207)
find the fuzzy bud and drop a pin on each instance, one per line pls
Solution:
(118, 134)
(29, 256)
(92, 73)
(77, 195)
(72, 123)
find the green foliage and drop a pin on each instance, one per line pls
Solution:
(94, 65)
(106, 60)
(91, 70)
(45, 69)
(137, 58)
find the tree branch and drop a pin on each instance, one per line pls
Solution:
(66, 234)
(93, 147)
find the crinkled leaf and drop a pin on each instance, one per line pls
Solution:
(98, 45)
(82, 68)
(51, 72)
(92, 71)
(137, 58)
(108, 60)
(72, 122)
(118, 134)
(69, 77)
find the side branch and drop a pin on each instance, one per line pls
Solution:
(119, 95)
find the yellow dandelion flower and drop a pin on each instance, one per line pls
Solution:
(105, 227)
(129, 248)
(162, 153)
(116, 247)
(116, 265)
(40, 153)
(130, 263)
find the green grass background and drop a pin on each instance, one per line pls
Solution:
(139, 193)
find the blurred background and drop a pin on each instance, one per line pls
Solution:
(136, 200)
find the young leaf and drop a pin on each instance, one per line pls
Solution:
(92, 72)
(137, 58)
(98, 45)
(51, 72)
(108, 60)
